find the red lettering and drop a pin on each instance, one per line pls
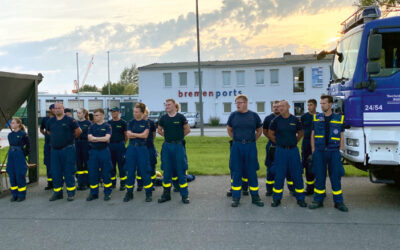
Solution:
(204, 93)
(185, 94)
(190, 94)
(196, 93)
(180, 94)
(210, 93)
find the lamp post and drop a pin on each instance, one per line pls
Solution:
(199, 76)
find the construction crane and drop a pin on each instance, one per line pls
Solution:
(76, 85)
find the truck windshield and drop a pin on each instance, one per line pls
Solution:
(349, 47)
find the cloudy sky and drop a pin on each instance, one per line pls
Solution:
(44, 36)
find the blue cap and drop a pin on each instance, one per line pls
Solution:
(115, 109)
(51, 106)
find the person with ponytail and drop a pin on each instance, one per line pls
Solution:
(16, 162)
(82, 150)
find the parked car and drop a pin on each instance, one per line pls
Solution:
(155, 115)
(193, 118)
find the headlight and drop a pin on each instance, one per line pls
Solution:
(352, 142)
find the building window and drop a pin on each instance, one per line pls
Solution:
(298, 108)
(260, 107)
(227, 107)
(260, 77)
(167, 80)
(184, 107)
(274, 75)
(298, 80)
(182, 79)
(196, 78)
(226, 78)
(240, 77)
(198, 107)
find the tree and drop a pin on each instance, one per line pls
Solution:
(88, 88)
(381, 3)
(131, 89)
(115, 89)
(130, 75)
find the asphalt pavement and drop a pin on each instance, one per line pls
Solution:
(208, 222)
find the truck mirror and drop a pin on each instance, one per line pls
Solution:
(373, 68)
(374, 46)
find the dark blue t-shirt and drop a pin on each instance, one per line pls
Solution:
(118, 130)
(43, 126)
(152, 129)
(306, 123)
(19, 139)
(62, 132)
(84, 125)
(244, 125)
(286, 130)
(173, 127)
(97, 130)
(267, 122)
(138, 127)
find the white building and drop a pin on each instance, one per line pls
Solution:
(295, 78)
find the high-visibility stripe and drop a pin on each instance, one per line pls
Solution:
(310, 182)
(315, 118)
(153, 177)
(113, 178)
(86, 172)
(174, 178)
(231, 181)
(253, 188)
(319, 191)
(335, 138)
(21, 189)
(278, 191)
(94, 186)
(80, 172)
(245, 180)
(339, 122)
(57, 189)
(318, 136)
(333, 192)
(14, 188)
(183, 185)
(108, 185)
(299, 190)
(123, 178)
(149, 186)
(166, 185)
(290, 182)
(236, 188)
(128, 186)
(71, 188)
(49, 179)
(270, 182)
(138, 177)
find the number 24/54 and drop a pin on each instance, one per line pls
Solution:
(372, 107)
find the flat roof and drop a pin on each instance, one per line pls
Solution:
(286, 59)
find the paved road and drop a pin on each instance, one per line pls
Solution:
(207, 223)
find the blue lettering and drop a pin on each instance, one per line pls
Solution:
(224, 93)
(217, 94)
(239, 92)
(234, 92)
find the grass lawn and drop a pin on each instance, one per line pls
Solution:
(206, 156)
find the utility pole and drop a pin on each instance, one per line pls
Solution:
(108, 65)
(77, 73)
(199, 71)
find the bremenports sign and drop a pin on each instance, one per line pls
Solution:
(215, 94)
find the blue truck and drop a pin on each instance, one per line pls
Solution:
(365, 83)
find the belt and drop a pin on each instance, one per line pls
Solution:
(245, 141)
(15, 148)
(138, 144)
(62, 147)
(175, 142)
(287, 147)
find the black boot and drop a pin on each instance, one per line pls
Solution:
(122, 186)
(92, 197)
(315, 204)
(275, 203)
(107, 197)
(185, 199)
(301, 203)
(166, 196)
(235, 202)
(81, 187)
(70, 197)
(341, 207)
(128, 196)
(56, 197)
(14, 199)
(49, 185)
(229, 193)
(255, 199)
(148, 196)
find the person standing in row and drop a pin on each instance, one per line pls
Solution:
(16, 162)
(244, 127)
(82, 150)
(117, 147)
(47, 147)
(137, 155)
(306, 122)
(285, 130)
(173, 126)
(327, 143)
(150, 145)
(100, 165)
(63, 130)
